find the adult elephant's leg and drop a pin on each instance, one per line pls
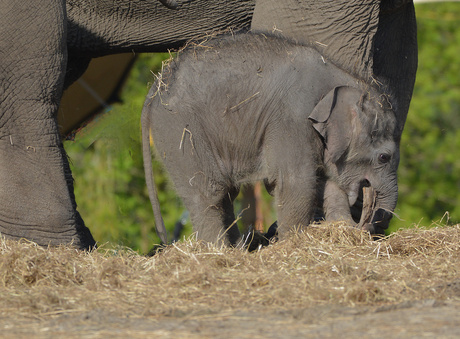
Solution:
(375, 40)
(36, 186)
(395, 59)
(342, 30)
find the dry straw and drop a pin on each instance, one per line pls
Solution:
(324, 264)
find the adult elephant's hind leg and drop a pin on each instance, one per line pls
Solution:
(36, 186)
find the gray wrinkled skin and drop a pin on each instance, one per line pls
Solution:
(254, 107)
(47, 44)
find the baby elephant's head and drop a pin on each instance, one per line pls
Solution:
(361, 147)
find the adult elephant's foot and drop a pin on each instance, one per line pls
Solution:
(74, 233)
(36, 190)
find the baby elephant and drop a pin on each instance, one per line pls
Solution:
(251, 107)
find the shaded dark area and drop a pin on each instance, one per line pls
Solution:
(98, 88)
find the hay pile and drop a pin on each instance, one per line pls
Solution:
(324, 264)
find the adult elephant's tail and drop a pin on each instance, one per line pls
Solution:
(149, 179)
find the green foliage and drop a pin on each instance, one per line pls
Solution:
(429, 173)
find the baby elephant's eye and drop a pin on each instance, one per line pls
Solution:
(384, 158)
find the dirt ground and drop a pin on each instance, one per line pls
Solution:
(329, 281)
(427, 318)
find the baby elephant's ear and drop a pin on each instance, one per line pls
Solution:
(322, 111)
(332, 119)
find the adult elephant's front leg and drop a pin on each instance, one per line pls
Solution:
(36, 185)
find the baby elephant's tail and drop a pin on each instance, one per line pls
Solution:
(153, 195)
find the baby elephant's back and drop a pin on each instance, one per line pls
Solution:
(231, 72)
(217, 72)
(229, 91)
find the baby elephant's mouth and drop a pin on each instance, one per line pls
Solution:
(379, 218)
(374, 218)
(380, 221)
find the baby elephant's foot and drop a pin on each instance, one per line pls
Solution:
(252, 240)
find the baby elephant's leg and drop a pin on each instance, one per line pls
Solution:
(211, 211)
(336, 206)
(214, 220)
(295, 195)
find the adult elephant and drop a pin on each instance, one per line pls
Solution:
(374, 40)
(45, 45)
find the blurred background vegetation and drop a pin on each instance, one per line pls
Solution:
(429, 172)
(107, 160)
